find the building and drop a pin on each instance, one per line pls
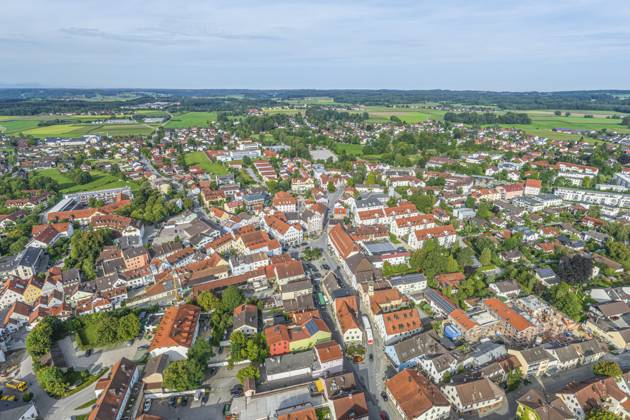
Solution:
(394, 326)
(177, 332)
(477, 396)
(329, 357)
(580, 398)
(416, 398)
(246, 319)
(444, 235)
(113, 391)
(535, 361)
(346, 314)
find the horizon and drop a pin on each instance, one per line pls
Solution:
(496, 46)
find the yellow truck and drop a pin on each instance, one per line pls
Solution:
(17, 384)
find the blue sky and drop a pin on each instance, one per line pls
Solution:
(447, 44)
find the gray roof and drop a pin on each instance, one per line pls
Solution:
(407, 279)
(30, 256)
(289, 362)
(418, 345)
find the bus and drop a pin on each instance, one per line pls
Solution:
(368, 330)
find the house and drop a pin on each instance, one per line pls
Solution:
(535, 361)
(444, 235)
(506, 289)
(438, 366)
(177, 332)
(532, 186)
(246, 319)
(416, 398)
(580, 398)
(478, 396)
(534, 405)
(547, 277)
(31, 261)
(393, 326)
(329, 357)
(350, 407)
(341, 244)
(154, 373)
(282, 338)
(408, 352)
(409, 284)
(512, 324)
(347, 314)
(113, 391)
(284, 202)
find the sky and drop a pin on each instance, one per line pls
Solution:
(545, 45)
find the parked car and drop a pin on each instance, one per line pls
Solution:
(184, 401)
(172, 401)
(147, 405)
(384, 396)
(88, 352)
(325, 266)
(237, 390)
(371, 356)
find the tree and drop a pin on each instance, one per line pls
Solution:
(128, 326)
(331, 187)
(567, 300)
(423, 202)
(107, 330)
(250, 371)
(607, 368)
(208, 301)
(575, 269)
(201, 351)
(486, 257)
(451, 265)
(601, 414)
(231, 298)
(183, 375)
(39, 340)
(51, 380)
(513, 379)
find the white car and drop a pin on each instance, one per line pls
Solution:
(147, 405)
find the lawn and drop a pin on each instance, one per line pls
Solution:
(201, 159)
(101, 181)
(408, 115)
(191, 119)
(351, 149)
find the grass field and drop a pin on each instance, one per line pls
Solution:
(191, 119)
(282, 111)
(101, 181)
(201, 159)
(408, 115)
(351, 149)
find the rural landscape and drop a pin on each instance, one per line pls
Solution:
(377, 210)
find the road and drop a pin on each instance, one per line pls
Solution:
(370, 373)
(146, 162)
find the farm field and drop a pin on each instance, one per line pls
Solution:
(351, 149)
(408, 115)
(201, 159)
(191, 119)
(102, 181)
(288, 111)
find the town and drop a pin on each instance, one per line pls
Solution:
(307, 260)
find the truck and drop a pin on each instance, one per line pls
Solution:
(17, 384)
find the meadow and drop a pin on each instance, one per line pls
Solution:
(191, 119)
(101, 181)
(351, 149)
(201, 159)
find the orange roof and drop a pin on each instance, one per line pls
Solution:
(346, 309)
(533, 183)
(461, 319)
(414, 393)
(342, 241)
(450, 279)
(401, 321)
(177, 327)
(507, 314)
(435, 232)
(328, 351)
(304, 414)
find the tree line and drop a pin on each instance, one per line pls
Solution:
(477, 118)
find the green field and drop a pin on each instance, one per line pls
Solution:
(201, 159)
(408, 115)
(351, 149)
(101, 181)
(191, 119)
(289, 111)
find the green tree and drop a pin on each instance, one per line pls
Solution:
(331, 187)
(39, 340)
(250, 371)
(183, 375)
(513, 379)
(208, 301)
(201, 351)
(607, 368)
(107, 330)
(567, 299)
(51, 380)
(601, 414)
(486, 257)
(451, 265)
(231, 298)
(128, 326)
